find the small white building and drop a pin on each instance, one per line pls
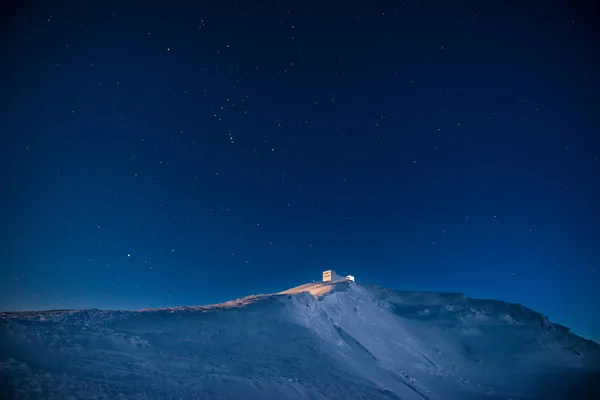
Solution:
(331, 275)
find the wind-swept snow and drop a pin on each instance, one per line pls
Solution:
(317, 289)
(332, 340)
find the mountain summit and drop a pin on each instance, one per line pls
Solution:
(326, 340)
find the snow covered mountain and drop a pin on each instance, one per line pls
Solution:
(327, 340)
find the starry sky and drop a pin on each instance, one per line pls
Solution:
(164, 153)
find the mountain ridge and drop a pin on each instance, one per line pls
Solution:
(320, 340)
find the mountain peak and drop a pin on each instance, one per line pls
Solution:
(323, 340)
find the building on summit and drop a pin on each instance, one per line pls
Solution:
(330, 275)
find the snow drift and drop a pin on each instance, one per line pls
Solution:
(333, 340)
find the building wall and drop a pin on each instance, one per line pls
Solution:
(330, 275)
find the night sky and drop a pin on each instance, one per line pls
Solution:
(160, 153)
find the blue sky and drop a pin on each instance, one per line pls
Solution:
(161, 154)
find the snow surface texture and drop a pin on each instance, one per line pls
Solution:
(333, 340)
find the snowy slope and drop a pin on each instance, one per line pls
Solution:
(336, 340)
